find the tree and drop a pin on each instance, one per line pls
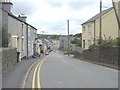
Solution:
(78, 35)
(78, 40)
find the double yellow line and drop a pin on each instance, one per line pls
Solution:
(37, 73)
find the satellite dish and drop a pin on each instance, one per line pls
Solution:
(22, 14)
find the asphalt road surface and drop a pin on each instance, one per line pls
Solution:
(57, 70)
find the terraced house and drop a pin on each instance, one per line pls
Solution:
(63, 42)
(91, 28)
(17, 33)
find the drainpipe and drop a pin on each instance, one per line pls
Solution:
(94, 31)
(27, 40)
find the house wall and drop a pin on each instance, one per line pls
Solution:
(18, 39)
(32, 34)
(109, 29)
(88, 35)
(109, 25)
(25, 28)
(0, 27)
(17, 31)
(5, 28)
(0, 47)
(63, 42)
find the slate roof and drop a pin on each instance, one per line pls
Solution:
(98, 16)
(10, 14)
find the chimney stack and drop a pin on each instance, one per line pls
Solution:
(23, 18)
(7, 5)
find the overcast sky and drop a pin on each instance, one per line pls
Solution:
(51, 16)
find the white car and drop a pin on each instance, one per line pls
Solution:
(47, 53)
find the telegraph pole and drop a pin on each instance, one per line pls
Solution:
(116, 11)
(68, 38)
(100, 32)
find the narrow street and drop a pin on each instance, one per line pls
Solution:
(59, 44)
(57, 70)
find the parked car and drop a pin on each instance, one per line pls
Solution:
(47, 53)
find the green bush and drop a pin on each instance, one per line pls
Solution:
(117, 42)
(106, 43)
(77, 42)
(93, 46)
(74, 41)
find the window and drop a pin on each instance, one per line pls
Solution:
(17, 43)
(89, 42)
(90, 28)
(84, 28)
(14, 43)
(28, 31)
(22, 30)
(22, 44)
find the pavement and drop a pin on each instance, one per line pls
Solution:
(14, 77)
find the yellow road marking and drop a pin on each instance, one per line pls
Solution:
(38, 76)
(26, 76)
(34, 75)
(37, 69)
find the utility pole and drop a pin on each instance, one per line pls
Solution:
(68, 38)
(116, 9)
(100, 32)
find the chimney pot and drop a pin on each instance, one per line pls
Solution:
(23, 18)
(7, 5)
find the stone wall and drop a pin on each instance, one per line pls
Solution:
(107, 56)
(9, 58)
(77, 51)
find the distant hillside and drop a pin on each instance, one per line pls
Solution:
(54, 37)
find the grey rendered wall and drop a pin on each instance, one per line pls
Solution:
(25, 40)
(5, 26)
(0, 27)
(12, 26)
(64, 44)
(0, 46)
(15, 29)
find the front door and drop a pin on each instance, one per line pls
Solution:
(34, 49)
(83, 43)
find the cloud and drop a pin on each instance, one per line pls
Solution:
(51, 15)
(55, 4)
(26, 8)
(79, 5)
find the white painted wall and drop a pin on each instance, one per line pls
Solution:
(32, 34)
